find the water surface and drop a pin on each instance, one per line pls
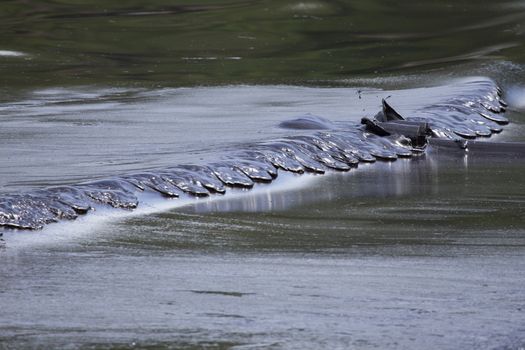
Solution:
(427, 252)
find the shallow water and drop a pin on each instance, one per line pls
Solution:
(423, 252)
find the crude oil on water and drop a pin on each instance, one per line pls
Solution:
(421, 252)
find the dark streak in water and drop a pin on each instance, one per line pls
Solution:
(139, 11)
(474, 112)
(229, 294)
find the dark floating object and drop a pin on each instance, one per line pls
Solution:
(476, 112)
(307, 122)
(388, 114)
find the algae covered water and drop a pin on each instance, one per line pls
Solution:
(421, 252)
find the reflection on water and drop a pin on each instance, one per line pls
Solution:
(389, 179)
(7, 53)
(210, 42)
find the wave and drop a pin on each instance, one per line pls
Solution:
(474, 109)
